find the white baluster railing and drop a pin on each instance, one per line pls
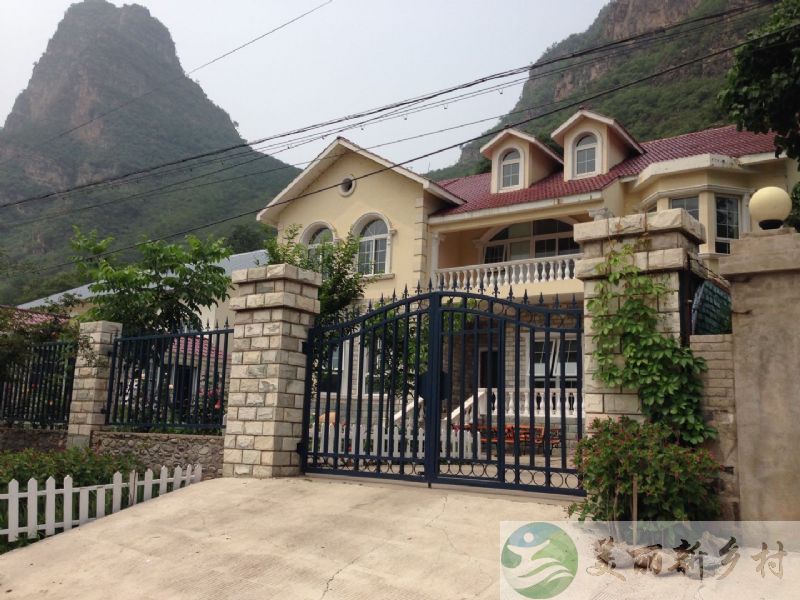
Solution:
(514, 273)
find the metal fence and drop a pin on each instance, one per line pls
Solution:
(173, 381)
(37, 390)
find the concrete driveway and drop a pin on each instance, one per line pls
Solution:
(281, 538)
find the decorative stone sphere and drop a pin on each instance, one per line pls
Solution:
(770, 206)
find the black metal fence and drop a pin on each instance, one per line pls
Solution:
(449, 386)
(37, 390)
(173, 381)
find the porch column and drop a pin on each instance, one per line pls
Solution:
(90, 386)
(672, 238)
(275, 307)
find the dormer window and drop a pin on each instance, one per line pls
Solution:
(509, 169)
(586, 155)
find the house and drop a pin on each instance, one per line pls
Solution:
(513, 225)
(212, 315)
(508, 232)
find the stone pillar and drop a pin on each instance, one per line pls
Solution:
(764, 271)
(671, 238)
(719, 410)
(275, 307)
(90, 386)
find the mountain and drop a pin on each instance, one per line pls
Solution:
(102, 57)
(680, 102)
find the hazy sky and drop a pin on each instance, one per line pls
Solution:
(348, 56)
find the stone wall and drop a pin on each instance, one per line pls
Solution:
(19, 438)
(719, 409)
(164, 449)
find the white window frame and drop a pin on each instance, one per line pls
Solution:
(594, 146)
(718, 238)
(696, 198)
(358, 227)
(504, 162)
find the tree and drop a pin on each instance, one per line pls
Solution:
(163, 291)
(21, 331)
(246, 237)
(342, 284)
(762, 91)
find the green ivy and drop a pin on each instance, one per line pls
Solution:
(625, 323)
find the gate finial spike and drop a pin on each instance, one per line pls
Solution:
(369, 305)
(405, 291)
(541, 298)
(208, 325)
(430, 284)
(481, 289)
(441, 284)
(525, 297)
(510, 293)
(226, 323)
(574, 301)
(216, 324)
(496, 291)
(418, 290)
(381, 301)
(394, 295)
(556, 302)
(467, 286)
(455, 284)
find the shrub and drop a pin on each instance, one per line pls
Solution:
(85, 467)
(674, 482)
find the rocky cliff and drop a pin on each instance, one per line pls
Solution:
(98, 63)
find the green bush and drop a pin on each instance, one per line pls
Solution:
(85, 467)
(674, 482)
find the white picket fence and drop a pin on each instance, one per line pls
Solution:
(389, 442)
(36, 521)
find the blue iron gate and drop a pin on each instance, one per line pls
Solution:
(450, 387)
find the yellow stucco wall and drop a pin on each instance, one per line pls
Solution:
(388, 194)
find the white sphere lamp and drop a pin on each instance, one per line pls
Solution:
(770, 206)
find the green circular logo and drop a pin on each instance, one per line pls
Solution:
(539, 560)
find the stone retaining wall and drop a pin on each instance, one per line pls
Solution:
(168, 449)
(20, 438)
(719, 409)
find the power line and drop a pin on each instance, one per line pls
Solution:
(396, 105)
(446, 148)
(150, 193)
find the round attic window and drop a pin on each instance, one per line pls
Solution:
(347, 186)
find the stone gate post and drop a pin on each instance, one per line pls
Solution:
(672, 238)
(764, 271)
(275, 307)
(90, 386)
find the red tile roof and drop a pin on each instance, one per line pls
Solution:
(474, 190)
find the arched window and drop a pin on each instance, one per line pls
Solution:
(509, 169)
(586, 155)
(319, 236)
(374, 237)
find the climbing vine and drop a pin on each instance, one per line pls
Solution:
(626, 323)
